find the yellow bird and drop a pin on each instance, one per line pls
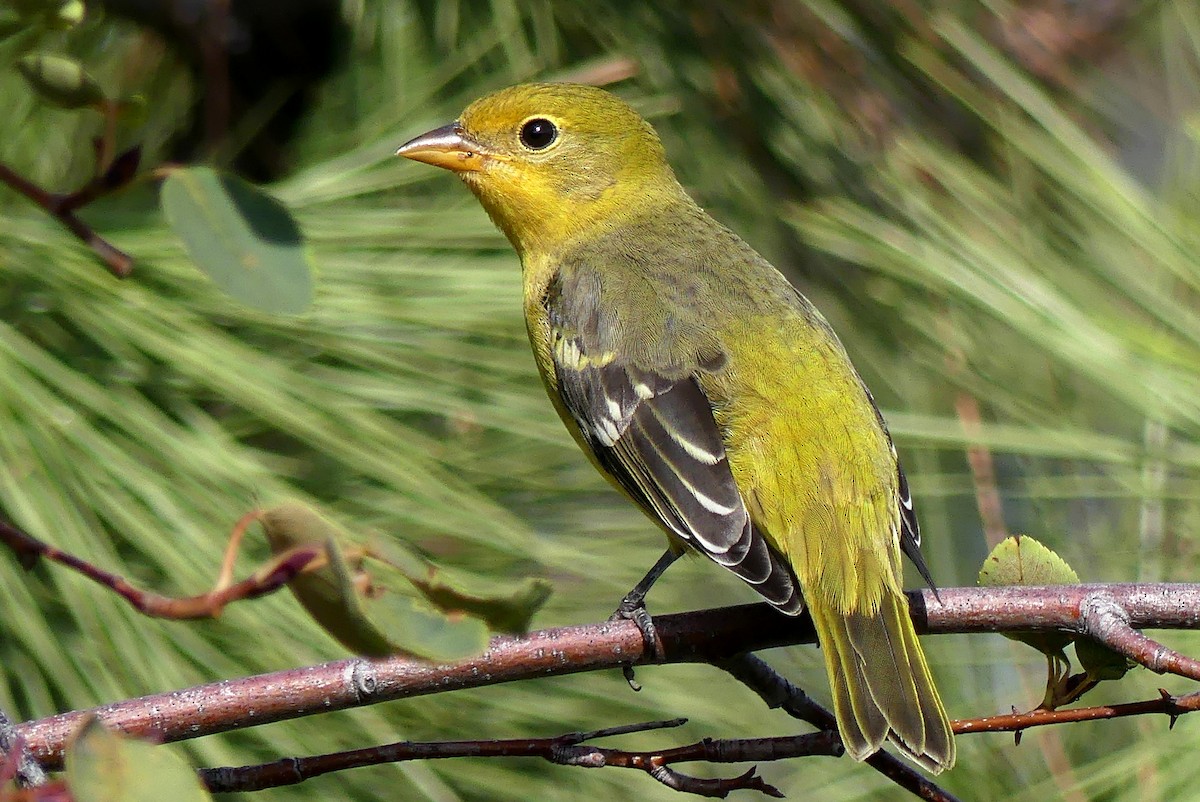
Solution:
(705, 387)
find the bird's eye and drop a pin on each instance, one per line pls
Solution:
(538, 134)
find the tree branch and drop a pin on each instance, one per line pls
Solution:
(565, 750)
(27, 772)
(708, 636)
(1165, 704)
(777, 692)
(62, 208)
(268, 579)
(1102, 618)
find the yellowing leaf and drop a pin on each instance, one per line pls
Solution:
(292, 523)
(103, 766)
(508, 612)
(502, 606)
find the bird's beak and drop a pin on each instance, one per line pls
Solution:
(448, 147)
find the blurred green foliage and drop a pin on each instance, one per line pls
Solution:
(976, 222)
(102, 766)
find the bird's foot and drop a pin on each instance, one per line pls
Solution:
(633, 608)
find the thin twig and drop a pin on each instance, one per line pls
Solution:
(778, 692)
(225, 577)
(206, 605)
(567, 750)
(62, 208)
(983, 471)
(1165, 704)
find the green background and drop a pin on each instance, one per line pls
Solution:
(978, 226)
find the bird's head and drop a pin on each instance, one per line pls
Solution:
(552, 162)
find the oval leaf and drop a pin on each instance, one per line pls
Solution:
(1021, 560)
(242, 238)
(60, 80)
(410, 609)
(292, 523)
(332, 599)
(102, 766)
(503, 606)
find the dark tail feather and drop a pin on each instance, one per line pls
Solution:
(882, 688)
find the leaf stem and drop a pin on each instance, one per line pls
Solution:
(62, 207)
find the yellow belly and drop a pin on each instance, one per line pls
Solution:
(811, 460)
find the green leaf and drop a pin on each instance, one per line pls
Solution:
(60, 80)
(508, 612)
(243, 239)
(503, 607)
(328, 593)
(1021, 560)
(418, 628)
(1101, 662)
(411, 609)
(105, 767)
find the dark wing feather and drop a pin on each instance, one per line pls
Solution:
(657, 437)
(910, 530)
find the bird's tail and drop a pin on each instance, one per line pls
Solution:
(881, 684)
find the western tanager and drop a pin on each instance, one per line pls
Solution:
(704, 386)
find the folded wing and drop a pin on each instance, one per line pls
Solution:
(657, 437)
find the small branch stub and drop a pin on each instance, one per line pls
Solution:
(1102, 618)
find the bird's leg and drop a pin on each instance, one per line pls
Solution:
(633, 608)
